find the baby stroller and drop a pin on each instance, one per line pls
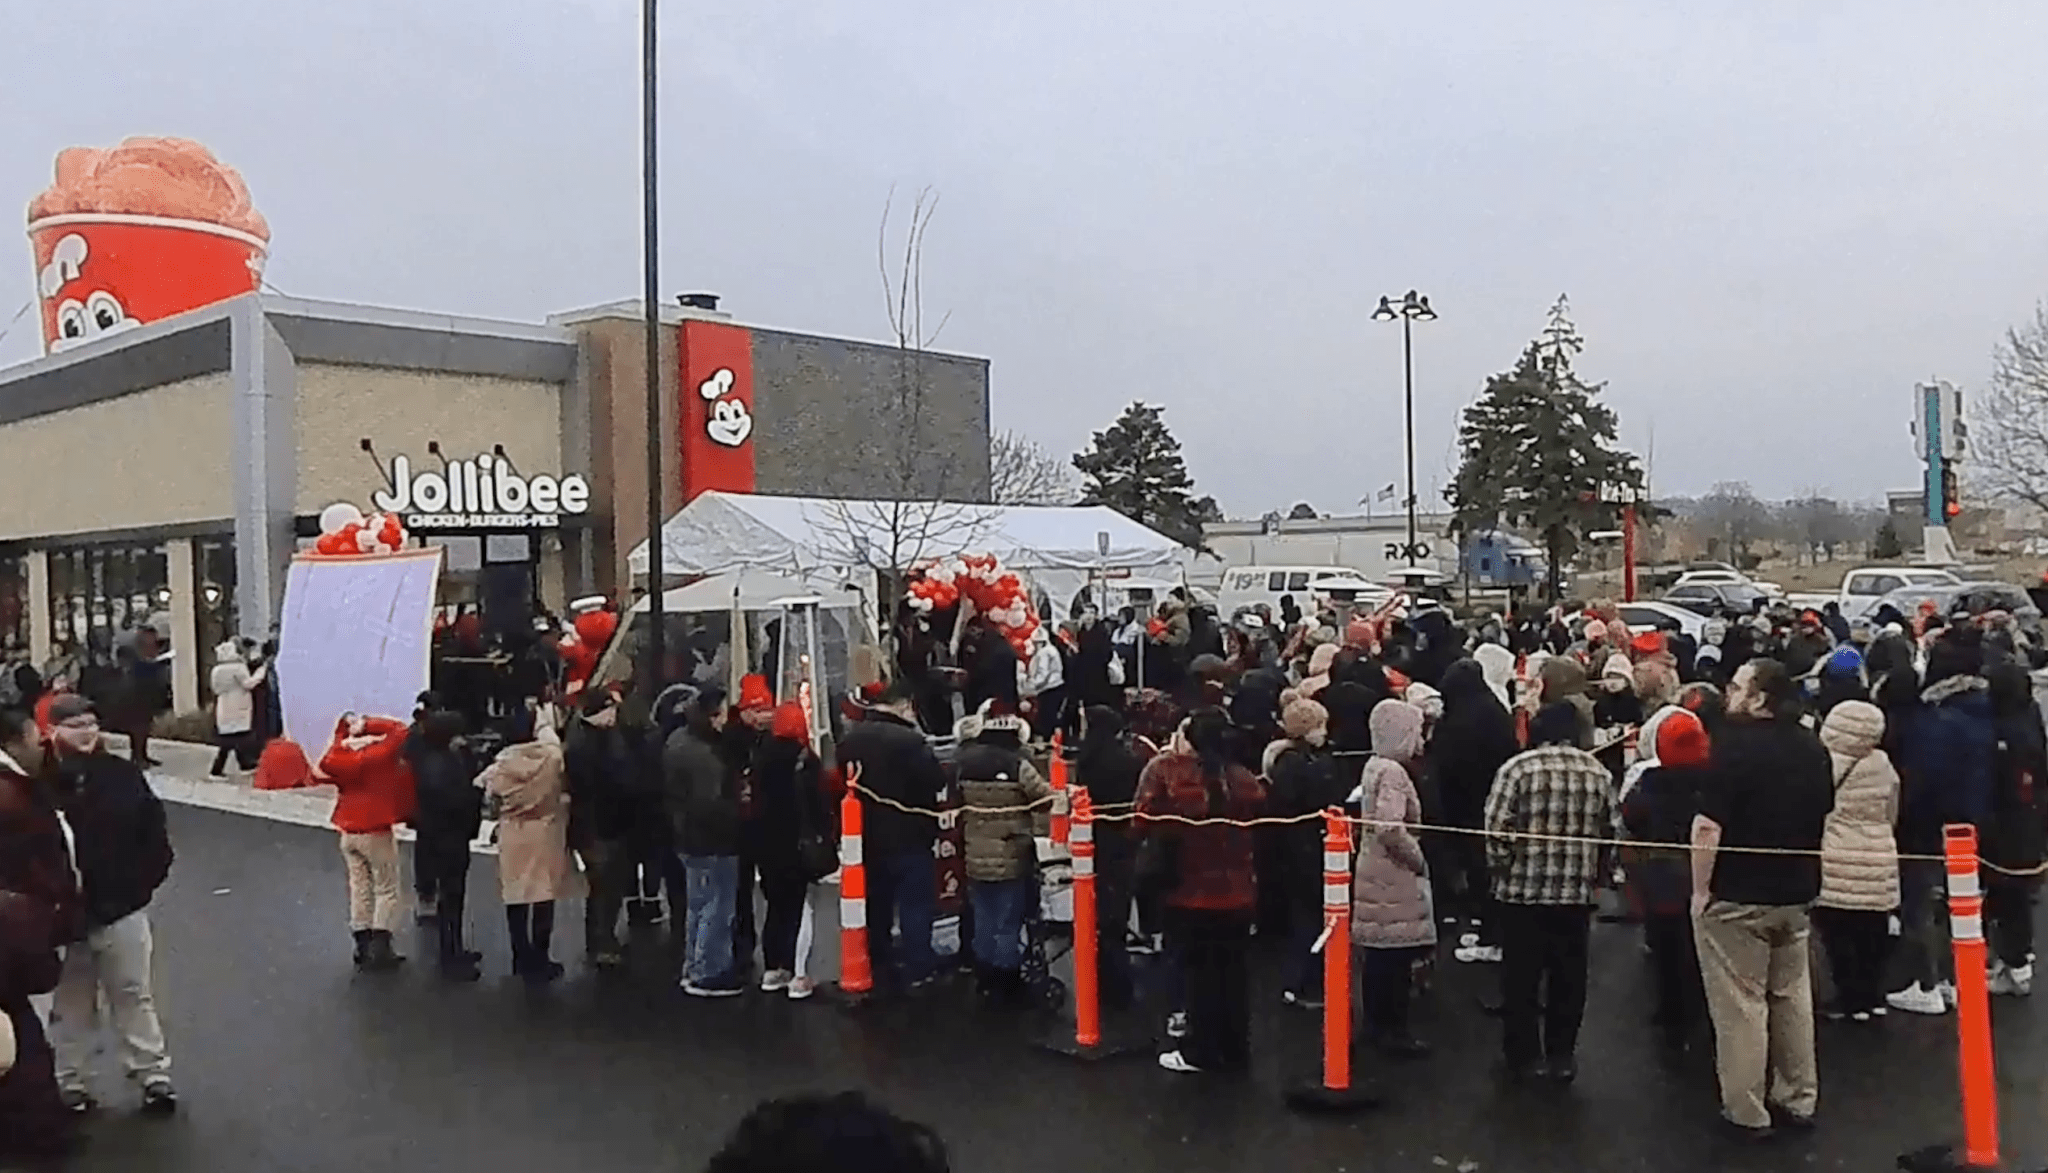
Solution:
(1049, 931)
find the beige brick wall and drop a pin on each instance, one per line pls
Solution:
(400, 411)
(158, 457)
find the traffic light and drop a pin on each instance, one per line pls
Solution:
(1951, 493)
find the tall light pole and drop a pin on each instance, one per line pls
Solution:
(1414, 307)
(650, 211)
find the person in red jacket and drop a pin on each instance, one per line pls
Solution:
(366, 765)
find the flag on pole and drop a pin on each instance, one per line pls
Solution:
(1387, 494)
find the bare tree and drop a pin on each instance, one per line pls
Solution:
(1020, 472)
(923, 518)
(1733, 520)
(2009, 428)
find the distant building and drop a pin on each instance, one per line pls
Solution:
(1373, 546)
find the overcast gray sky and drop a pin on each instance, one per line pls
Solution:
(1771, 218)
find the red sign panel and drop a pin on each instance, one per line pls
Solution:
(718, 408)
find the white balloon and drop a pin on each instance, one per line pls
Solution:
(338, 515)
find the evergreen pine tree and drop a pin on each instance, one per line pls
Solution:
(1538, 449)
(1135, 467)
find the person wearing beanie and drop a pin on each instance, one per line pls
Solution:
(606, 763)
(1839, 678)
(893, 761)
(1859, 866)
(742, 742)
(1546, 887)
(998, 849)
(795, 833)
(1301, 778)
(121, 852)
(1658, 811)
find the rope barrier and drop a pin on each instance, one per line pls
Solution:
(1104, 814)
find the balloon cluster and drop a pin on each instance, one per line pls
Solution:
(345, 531)
(998, 596)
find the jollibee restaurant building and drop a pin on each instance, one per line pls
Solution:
(173, 468)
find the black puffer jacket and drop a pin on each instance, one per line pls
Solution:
(1301, 780)
(120, 842)
(896, 762)
(2015, 836)
(1475, 737)
(449, 805)
(604, 767)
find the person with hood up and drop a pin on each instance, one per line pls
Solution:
(893, 761)
(1709, 663)
(121, 847)
(1616, 705)
(234, 708)
(448, 815)
(1210, 889)
(1108, 763)
(1947, 761)
(1859, 865)
(1302, 778)
(1658, 810)
(1393, 917)
(605, 764)
(2013, 838)
(795, 837)
(703, 793)
(999, 850)
(528, 784)
(1497, 664)
(1475, 738)
(1546, 887)
(1320, 662)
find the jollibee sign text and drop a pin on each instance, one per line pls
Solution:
(484, 492)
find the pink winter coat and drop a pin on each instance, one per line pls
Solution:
(1391, 906)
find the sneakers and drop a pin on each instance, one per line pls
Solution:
(1947, 990)
(2012, 981)
(78, 1101)
(1467, 940)
(723, 988)
(776, 980)
(1309, 1000)
(159, 1098)
(1477, 953)
(1177, 1025)
(801, 988)
(1176, 1062)
(1918, 999)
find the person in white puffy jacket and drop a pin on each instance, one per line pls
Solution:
(1042, 684)
(234, 707)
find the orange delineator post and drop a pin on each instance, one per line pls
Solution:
(1057, 768)
(856, 973)
(1336, 947)
(1087, 992)
(1973, 997)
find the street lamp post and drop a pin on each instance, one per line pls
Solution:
(650, 209)
(1414, 307)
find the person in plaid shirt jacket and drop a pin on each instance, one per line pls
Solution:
(1545, 888)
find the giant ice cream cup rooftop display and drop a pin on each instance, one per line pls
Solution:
(138, 233)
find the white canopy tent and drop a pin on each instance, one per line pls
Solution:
(829, 545)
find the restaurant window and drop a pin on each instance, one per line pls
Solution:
(96, 594)
(14, 608)
(216, 618)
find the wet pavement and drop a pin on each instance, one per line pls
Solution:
(287, 1060)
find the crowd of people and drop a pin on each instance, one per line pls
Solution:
(1506, 774)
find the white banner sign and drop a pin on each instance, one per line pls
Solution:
(356, 638)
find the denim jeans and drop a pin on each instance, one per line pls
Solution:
(903, 893)
(714, 882)
(999, 910)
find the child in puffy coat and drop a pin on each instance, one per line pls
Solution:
(1859, 866)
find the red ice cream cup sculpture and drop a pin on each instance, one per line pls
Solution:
(996, 596)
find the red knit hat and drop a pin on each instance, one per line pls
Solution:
(1681, 740)
(790, 724)
(755, 694)
(1649, 643)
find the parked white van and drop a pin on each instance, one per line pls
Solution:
(1248, 586)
